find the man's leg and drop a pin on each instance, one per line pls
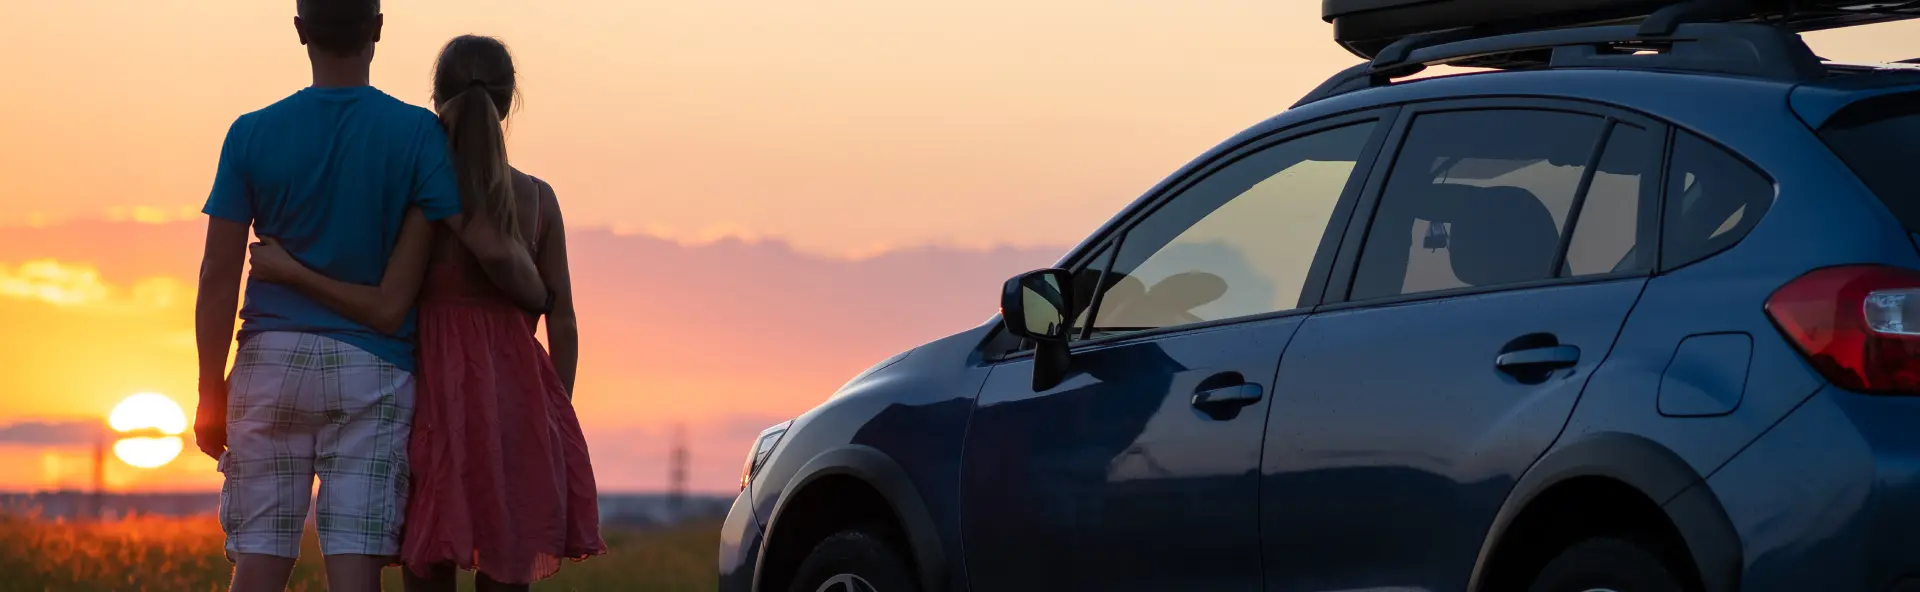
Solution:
(268, 466)
(265, 573)
(362, 464)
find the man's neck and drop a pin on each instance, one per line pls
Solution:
(339, 72)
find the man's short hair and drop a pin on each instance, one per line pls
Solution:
(340, 27)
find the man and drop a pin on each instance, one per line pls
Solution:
(331, 173)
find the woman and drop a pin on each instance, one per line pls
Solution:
(501, 482)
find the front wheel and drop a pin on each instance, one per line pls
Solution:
(853, 560)
(1606, 565)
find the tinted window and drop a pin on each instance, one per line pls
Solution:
(1238, 243)
(1617, 214)
(1879, 139)
(1476, 198)
(1713, 200)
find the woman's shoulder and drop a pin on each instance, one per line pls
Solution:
(541, 190)
(536, 198)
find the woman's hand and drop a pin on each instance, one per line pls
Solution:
(270, 261)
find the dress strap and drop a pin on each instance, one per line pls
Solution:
(539, 206)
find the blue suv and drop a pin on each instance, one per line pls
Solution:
(1626, 312)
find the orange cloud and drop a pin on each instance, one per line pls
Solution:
(53, 282)
(153, 214)
(79, 285)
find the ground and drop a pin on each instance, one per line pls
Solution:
(184, 554)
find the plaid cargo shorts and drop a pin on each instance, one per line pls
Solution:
(300, 405)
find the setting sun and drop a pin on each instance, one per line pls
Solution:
(159, 418)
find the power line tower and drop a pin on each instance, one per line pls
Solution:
(677, 472)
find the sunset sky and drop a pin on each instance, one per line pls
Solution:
(763, 197)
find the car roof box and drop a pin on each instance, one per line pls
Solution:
(1365, 27)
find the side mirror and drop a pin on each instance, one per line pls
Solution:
(1034, 305)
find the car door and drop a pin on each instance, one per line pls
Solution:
(1139, 469)
(1502, 251)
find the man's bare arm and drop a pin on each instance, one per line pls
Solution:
(215, 303)
(504, 258)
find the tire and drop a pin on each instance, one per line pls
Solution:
(1606, 564)
(854, 560)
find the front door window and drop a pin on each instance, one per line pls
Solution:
(1238, 243)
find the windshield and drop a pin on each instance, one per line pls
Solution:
(1879, 138)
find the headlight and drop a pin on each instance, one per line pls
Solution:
(762, 450)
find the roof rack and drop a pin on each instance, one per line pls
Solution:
(1364, 27)
(1673, 39)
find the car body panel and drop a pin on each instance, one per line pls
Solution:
(740, 539)
(905, 504)
(1393, 440)
(1087, 486)
(913, 413)
(1816, 102)
(1825, 500)
(1646, 466)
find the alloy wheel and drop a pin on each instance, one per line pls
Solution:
(846, 583)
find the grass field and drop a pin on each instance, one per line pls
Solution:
(185, 554)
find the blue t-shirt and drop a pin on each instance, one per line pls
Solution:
(330, 173)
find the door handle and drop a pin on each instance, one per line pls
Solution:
(1539, 359)
(1226, 398)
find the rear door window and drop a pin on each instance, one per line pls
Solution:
(1476, 198)
(1621, 210)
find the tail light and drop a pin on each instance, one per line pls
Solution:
(1858, 325)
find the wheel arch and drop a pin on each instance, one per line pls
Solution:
(1648, 467)
(886, 478)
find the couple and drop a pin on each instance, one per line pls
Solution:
(362, 204)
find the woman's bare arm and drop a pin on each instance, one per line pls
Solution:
(563, 328)
(383, 307)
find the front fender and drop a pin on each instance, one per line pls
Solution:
(886, 476)
(1655, 471)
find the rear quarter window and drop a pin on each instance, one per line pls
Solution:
(1713, 200)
